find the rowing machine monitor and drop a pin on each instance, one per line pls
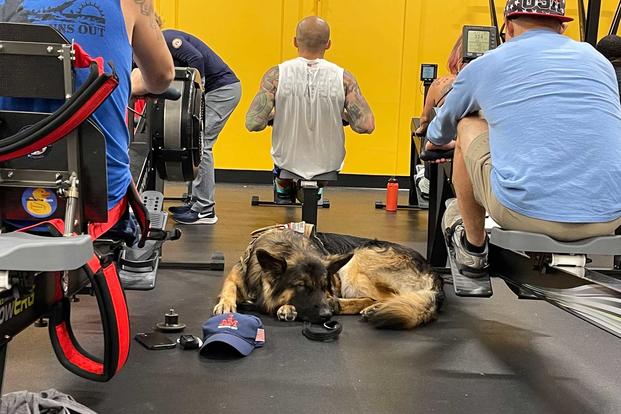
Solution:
(428, 73)
(477, 40)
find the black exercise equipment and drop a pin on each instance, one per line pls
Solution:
(535, 266)
(477, 40)
(310, 194)
(171, 322)
(428, 73)
(53, 173)
(592, 22)
(494, 18)
(165, 145)
(177, 135)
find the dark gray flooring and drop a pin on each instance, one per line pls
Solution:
(482, 356)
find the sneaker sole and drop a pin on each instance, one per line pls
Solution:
(178, 211)
(206, 220)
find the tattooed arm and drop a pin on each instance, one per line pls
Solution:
(357, 110)
(155, 65)
(260, 111)
(435, 97)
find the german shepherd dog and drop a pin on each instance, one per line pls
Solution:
(311, 278)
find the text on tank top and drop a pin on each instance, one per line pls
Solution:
(308, 137)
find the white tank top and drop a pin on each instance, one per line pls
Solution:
(308, 137)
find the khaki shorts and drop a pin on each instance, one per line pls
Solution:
(479, 165)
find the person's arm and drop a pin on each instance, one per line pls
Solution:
(155, 69)
(459, 103)
(438, 89)
(357, 111)
(260, 111)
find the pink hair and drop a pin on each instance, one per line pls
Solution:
(455, 58)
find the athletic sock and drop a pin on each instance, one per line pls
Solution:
(471, 247)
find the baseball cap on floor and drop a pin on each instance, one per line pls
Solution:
(544, 8)
(242, 333)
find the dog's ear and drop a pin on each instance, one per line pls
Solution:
(335, 262)
(269, 263)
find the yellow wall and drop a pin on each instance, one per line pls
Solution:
(382, 42)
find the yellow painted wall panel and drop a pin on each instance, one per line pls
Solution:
(247, 35)
(383, 42)
(371, 49)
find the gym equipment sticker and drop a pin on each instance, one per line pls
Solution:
(39, 202)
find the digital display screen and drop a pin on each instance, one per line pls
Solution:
(478, 41)
(429, 72)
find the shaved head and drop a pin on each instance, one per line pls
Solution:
(313, 34)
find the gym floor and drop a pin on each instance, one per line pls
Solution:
(481, 356)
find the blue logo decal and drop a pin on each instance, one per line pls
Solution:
(39, 202)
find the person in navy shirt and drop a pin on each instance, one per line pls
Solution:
(538, 126)
(222, 95)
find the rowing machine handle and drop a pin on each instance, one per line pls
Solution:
(271, 122)
(170, 94)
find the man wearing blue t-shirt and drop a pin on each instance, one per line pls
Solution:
(222, 94)
(538, 126)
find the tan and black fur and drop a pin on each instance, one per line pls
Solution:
(294, 277)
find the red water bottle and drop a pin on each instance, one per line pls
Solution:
(392, 195)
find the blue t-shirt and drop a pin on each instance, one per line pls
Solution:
(99, 27)
(554, 117)
(190, 51)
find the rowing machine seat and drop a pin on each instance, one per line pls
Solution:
(331, 176)
(310, 191)
(534, 242)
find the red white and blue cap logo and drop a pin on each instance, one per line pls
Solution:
(544, 8)
(242, 333)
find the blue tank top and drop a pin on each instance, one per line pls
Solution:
(99, 27)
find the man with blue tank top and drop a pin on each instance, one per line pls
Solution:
(544, 156)
(114, 30)
(222, 95)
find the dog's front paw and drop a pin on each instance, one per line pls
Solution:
(369, 311)
(224, 306)
(335, 306)
(287, 313)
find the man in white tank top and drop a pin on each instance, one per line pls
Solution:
(309, 99)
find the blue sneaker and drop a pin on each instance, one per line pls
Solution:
(192, 217)
(180, 209)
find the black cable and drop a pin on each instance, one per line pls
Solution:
(59, 117)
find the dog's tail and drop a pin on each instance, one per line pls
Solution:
(405, 311)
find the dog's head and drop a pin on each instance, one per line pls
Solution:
(304, 282)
